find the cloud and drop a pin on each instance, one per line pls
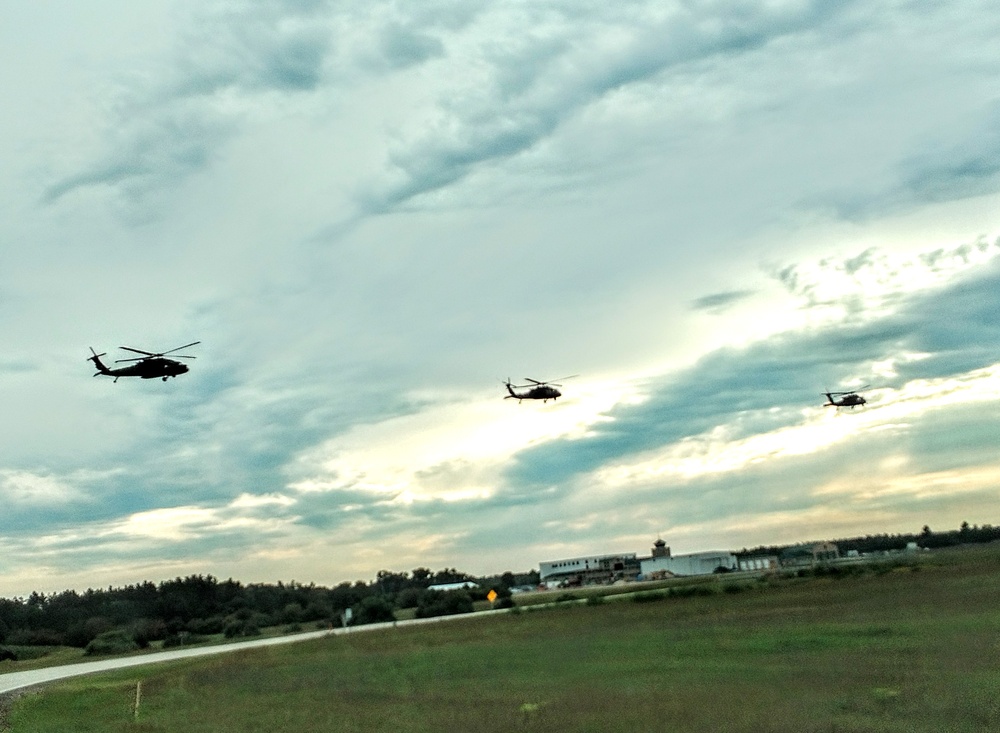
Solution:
(721, 302)
(621, 170)
(173, 124)
(518, 88)
(404, 46)
(733, 396)
(23, 488)
(872, 283)
(955, 169)
(17, 366)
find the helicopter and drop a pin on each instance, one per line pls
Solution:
(543, 391)
(846, 399)
(149, 366)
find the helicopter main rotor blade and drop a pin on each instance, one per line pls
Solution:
(159, 353)
(139, 351)
(154, 356)
(542, 384)
(193, 343)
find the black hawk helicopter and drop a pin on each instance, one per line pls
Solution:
(846, 399)
(543, 391)
(149, 366)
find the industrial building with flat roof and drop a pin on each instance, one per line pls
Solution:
(661, 563)
(627, 566)
(589, 570)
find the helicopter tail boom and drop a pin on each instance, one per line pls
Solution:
(96, 358)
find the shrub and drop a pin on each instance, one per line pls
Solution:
(649, 596)
(238, 627)
(448, 603)
(35, 637)
(211, 625)
(688, 591)
(409, 597)
(183, 638)
(146, 630)
(373, 609)
(117, 641)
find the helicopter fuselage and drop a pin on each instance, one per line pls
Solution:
(848, 400)
(156, 367)
(541, 392)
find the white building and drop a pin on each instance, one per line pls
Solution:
(463, 585)
(756, 563)
(698, 563)
(584, 570)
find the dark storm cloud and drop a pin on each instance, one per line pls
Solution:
(766, 385)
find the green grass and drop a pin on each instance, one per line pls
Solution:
(895, 650)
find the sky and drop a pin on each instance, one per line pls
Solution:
(371, 215)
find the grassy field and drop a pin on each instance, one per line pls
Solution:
(908, 648)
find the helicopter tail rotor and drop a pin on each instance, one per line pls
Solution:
(96, 358)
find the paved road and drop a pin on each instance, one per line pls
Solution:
(17, 680)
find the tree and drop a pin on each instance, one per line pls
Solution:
(118, 641)
(421, 577)
(444, 603)
(373, 609)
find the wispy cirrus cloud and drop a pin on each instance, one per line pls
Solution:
(517, 88)
(720, 302)
(172, 123)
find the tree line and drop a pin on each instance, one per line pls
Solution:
(188, 610)
(927, 538)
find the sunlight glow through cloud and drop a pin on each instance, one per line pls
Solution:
(819, 429)
(412, 457)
